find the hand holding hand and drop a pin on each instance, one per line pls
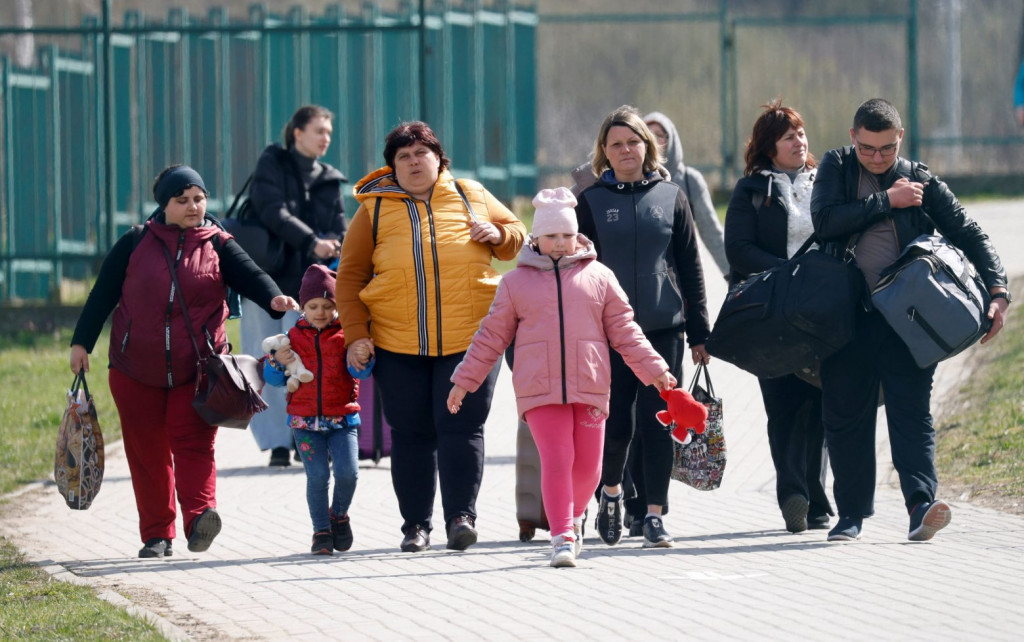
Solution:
(905, 193)
(455, 398)
(283, 303)
(79, 359)
(485, 233)
(359, 353)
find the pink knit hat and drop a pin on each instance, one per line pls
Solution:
(318, 281)
(555, 212)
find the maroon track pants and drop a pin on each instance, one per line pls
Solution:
(169, 448)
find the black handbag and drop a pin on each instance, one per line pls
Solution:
(266, 249)
(790, 318)
(224, 392)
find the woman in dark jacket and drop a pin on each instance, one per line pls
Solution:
(768, 219)
(298, 199)
(152, 358)
(643, 230)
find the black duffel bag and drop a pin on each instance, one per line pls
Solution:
(789, 319)
(266, 249)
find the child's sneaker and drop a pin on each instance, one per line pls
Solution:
(563, 554)
(323, 543)
(341, 529)
(928, 518)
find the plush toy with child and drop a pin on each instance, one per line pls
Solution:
(323, 412)
(564, 310)
(296, 371)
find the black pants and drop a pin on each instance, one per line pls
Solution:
(427, 441)
(850, 380)
(796, 438)
(631, 416)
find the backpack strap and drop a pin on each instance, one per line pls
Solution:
(376, 219)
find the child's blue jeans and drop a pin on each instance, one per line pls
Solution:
(317, 450)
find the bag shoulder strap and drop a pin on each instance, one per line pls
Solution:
(181, 299)
(465, 200)
(238, 196)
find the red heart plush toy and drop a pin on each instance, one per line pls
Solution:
(684, 412)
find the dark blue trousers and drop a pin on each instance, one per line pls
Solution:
(850, 384)
(427, 441)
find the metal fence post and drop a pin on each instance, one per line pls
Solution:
(108, 126)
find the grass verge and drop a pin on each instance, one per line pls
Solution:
(34, 606)
(980, 433)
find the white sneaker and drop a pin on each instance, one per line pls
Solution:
(564, 555)
(577, 531)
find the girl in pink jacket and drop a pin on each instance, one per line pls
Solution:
(563, 309)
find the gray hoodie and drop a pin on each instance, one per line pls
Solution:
(696, 190)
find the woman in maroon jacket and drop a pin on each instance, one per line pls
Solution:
(152, 359)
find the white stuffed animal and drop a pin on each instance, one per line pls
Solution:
(297, 373)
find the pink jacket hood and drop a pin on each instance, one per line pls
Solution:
(563, 318)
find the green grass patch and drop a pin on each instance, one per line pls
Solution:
(34, 606)
(35, 377)
(980, 441)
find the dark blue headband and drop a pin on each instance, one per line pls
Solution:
(175, 182)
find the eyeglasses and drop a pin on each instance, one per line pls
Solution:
(885, 150)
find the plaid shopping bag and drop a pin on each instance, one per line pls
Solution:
(701, 462)
(78, 463)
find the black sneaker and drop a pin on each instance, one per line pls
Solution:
(156, 547)
(818, 522)
(323, 543)
(928, 518)
(416, 540)
(655, 535)
(794, 511)
(281, 456)
(341, 531)
(609, 518)
(847, 529)
(461, 533)
(204, 529)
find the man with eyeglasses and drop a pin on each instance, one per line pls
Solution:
(867, 200)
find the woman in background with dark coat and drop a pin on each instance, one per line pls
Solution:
(768, 219)
(297, 198)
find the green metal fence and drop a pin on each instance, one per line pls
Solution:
(84, 133)
(710, 64)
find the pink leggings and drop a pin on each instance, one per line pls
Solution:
(570, 440)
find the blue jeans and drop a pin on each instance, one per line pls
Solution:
(318, 449)
(270, 427)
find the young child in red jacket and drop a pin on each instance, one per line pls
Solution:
(323, 413)
(563, 309)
